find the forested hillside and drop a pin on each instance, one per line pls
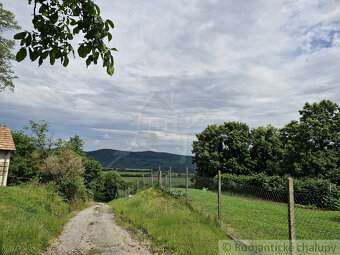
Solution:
(142, 160)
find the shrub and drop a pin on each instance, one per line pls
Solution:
(65, 169)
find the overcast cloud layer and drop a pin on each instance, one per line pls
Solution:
(183, 65)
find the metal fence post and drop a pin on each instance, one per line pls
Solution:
(219, 196)
(291, 217)
(187, 183)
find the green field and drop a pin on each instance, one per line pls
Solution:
(30, 217)
(172, 227)
(251, 219)
(176, 182)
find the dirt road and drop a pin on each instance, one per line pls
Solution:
(93, 231)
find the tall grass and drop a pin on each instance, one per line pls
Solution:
(172, 226)
(30, 216)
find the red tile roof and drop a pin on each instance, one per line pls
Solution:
(6, 140)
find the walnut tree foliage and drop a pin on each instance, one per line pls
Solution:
(7, 22)
(56, 22)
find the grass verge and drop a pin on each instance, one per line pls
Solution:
(169, 224)
(252, 219)
(30, 216)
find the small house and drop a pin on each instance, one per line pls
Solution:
(6, 147)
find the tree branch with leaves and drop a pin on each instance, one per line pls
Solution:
(56, 22)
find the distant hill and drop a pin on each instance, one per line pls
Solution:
(142, 160)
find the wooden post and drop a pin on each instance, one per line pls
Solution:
(219, 196)
(151, 178)
(170, 179)
(186, 183)
(159, 177)
(291, 217)
(143, 182)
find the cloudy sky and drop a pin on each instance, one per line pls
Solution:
(182, 65)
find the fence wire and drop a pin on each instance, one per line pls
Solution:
(252, 212)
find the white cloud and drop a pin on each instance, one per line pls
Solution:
(183, 65)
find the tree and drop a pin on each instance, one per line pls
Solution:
(93, 170)
(225, 147)
(41, 137)
(206, 150)
(76, 144)
(56, 22)
(312, 145)
(7, 22)
(112, 182)
(266, 150)
(236, 148)
(24, 158)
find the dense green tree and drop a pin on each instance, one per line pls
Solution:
(108, 185)
(76, 144)
(225, 147)
(236, 148)
(266, 150)
(56, 22)
(24, 159)
(207, 151)
(7, 22)
(93, 170)
(312, 145)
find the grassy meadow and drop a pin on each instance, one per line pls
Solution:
(169, 224)
(252, 219)
(30, 217)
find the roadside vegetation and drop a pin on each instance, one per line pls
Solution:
(168, 224)
(31, 215)
(48, 180)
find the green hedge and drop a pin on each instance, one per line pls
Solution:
(310, 192)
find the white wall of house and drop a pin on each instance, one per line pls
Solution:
(4, 165)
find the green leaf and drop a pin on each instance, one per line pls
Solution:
(43, 9)
(76, 30)
(52, 60)
(41, 61)
(109, 36)
(28, 40)
(44, 54)
(20, 36)
(110, 70)
(21, 55)
(38, 24)
(33, 55)
(97, 8)
(54, 18)
(82, 51)
(110, 23)
(66, 61)
(89, 60)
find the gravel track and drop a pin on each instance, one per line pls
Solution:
(94, 231)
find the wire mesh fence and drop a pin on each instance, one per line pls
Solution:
(251, 212)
